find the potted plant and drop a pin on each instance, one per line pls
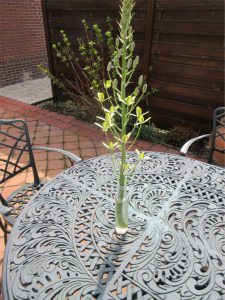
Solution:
(119, 105)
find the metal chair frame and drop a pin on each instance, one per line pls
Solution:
(218, 123)
(11, 167)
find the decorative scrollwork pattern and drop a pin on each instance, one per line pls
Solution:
(64, 244)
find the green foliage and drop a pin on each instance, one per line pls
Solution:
(54, 80)
(88, 71)
(94, 57)
(79, 88)
(149, 132)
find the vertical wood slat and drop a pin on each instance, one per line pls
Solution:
(148, 37)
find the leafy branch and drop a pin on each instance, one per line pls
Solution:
(88, 72)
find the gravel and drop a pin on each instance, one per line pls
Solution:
(31, 91)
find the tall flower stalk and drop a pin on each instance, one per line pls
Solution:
(124, 105)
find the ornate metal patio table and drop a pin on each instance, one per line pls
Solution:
(64, 246)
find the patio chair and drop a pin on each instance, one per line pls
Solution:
(17, 156)
(216, 138)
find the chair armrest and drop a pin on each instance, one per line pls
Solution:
(186, 146)
(4, 210)
(64, 152)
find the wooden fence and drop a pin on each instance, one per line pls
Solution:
(180, 43)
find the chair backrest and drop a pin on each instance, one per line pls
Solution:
(218, 134)
(16, 153)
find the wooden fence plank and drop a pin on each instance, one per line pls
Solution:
(90, 5)
(188, 71)
(187, 81)
(189, 28)
(206, 40)
(184, 93)
(193, 61)
(148, 37)
(188, 3)
(206, 16)
(181, 108)
(188, 50)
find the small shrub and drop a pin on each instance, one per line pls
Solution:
(88, 71)
(153, 134)
(179, 135)
(149, 132)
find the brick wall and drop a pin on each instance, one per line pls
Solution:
(22, 40)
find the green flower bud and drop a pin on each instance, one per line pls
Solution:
(141, 155)
(136, 62)
(109, 67)
(105, 126)
(111, 145)
(141, 119)
(130, 100)
(107, 84)
(115, 83)
(140, 80)
(129, 63)
(95, 27)
(117, 42)
(126, 168)
(145, 87)
(136, 91)
(119, 54)
(85, 24)
(138, 111)
(108, 117)
(101, 97)
(112, 109)
(132, 47)
(154, 90)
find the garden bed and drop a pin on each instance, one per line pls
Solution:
(174, 137)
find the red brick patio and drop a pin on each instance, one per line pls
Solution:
(54, 130)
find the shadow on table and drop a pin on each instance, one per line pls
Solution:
(106, 278)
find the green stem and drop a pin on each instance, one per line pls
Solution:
(121, 211)
(135, 139)
(124, 121)
(120, 222)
